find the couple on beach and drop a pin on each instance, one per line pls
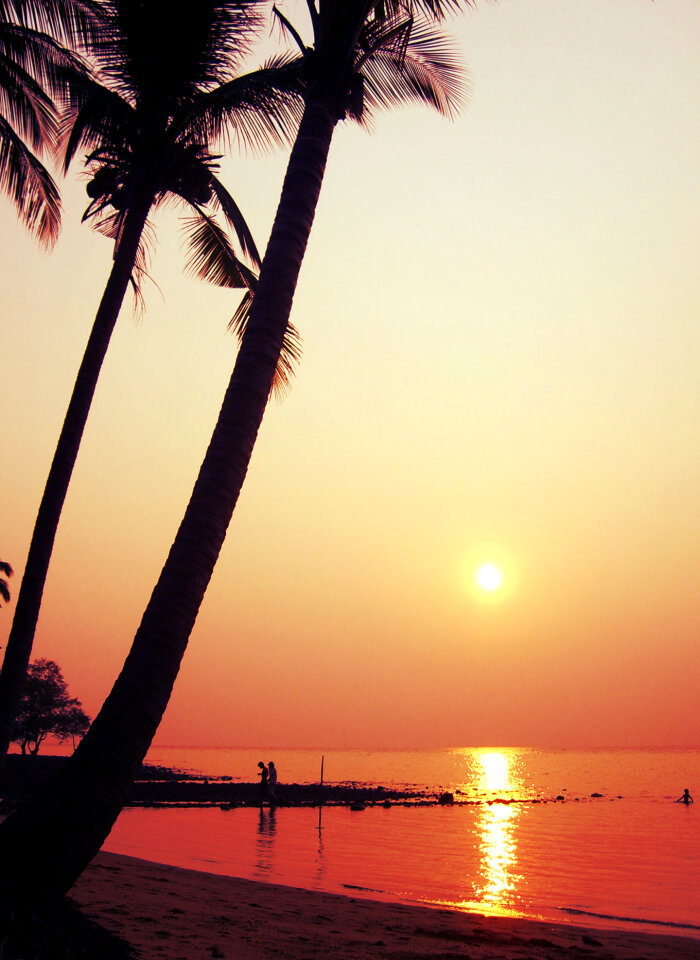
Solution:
(268, 782)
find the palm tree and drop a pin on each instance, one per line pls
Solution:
(168, 87)
(365, 55)
(36, 68)
(6, 570)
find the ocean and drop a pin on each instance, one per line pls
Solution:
(614, 851)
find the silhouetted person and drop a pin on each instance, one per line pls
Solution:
(686, 798)
(272, 781)
(263, 781)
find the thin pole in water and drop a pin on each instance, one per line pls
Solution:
(320, 802)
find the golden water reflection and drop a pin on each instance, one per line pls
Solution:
(498, 847)
(494, 890)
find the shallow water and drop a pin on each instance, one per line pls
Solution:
(628, 858)
(481, 772)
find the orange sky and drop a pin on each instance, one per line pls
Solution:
(501, 362)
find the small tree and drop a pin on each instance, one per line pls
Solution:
(73, 722)
(46, 709)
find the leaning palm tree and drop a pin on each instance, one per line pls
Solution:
(36, 70)
(364, 55)
(166, 88)
(6, 571)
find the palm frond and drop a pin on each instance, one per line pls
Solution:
(109, 223)
(25, 105)
(289, 359)
(103, 216)
(55, 68)
(388, 27)
(439, 9)
(105, 219)
(290, 354)
(238, 321)
(388, 37)
(211, 258)
(235, 218)
(71, 22)
(141, 270)
(97, 116)
(148, 52)
(112, 226)
(314, 16)
(29, 185)
(433, 10)
(288, 29)
(256, 110)
(210, 255)
(429, 72)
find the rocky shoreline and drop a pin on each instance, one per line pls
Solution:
(156, 786)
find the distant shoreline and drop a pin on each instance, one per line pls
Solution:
(21, 776)
(160, 786)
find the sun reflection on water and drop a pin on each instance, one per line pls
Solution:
(494, 890)
(494, 773)
(496, 824)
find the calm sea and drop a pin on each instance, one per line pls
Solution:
(627, 858)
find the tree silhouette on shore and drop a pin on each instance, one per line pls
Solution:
(46, 709)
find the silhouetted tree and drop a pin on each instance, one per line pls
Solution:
(73, 723)
(169, 86)
(46, 709)
(365, 55)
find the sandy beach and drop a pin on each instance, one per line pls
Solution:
(167, 913)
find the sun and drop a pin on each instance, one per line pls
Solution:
(490, 574)
(489, 577)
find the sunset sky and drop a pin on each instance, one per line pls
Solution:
(501, 357)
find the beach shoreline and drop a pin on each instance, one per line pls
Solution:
(170, 913)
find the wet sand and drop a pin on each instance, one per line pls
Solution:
(167, 913)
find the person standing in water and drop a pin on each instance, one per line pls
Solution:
(264, 775)
(686, 798)
(272, 781)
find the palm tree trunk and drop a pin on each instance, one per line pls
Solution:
(19, 644)
(51, 839)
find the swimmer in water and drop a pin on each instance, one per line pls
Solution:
(686, 798)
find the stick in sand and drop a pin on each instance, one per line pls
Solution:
(320, 803)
